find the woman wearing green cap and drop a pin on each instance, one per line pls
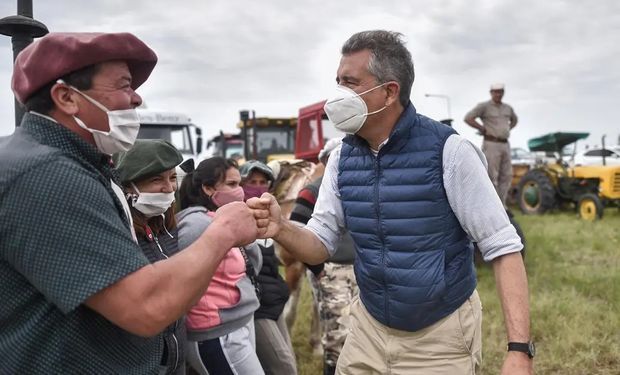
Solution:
(148, 174)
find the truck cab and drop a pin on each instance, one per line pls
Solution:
(313, 130)
(260, 138)
(267, 138)
(226, 145)
(174, 127)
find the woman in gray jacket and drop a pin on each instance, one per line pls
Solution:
(220, 327)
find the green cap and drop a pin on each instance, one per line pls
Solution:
(250, 165)
(147, 158)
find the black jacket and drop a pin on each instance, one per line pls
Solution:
(274, 291)
(159, 247)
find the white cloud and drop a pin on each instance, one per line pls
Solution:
(558, 58)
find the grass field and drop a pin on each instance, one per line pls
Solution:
(574, 278)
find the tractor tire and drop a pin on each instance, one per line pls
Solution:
(536, 193)
(590, 207)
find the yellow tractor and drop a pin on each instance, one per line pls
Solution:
(260, 138)
(609, 189)
(557, 185)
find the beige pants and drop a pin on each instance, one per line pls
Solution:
(451, 346)
(500, 167)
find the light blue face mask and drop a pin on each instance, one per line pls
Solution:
(347, 110)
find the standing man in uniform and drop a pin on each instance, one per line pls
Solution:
(77, 294)
(413, 194)
(498, 119)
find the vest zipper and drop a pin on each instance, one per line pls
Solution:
(174, 337)
(382, 238)
(176, 349)
(159, 247)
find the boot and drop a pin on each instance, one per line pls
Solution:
(328, 369)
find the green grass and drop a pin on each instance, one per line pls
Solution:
(574, 278)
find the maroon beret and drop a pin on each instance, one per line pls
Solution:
(58, 54)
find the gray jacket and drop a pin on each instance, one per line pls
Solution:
(192, 222)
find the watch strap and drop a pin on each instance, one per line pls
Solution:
(524, 347)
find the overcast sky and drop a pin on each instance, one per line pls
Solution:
(560, 60)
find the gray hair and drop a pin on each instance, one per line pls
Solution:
(389, 58)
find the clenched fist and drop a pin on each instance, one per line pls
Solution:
(235, 223)
(268, 215)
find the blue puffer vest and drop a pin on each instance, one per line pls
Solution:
(414, 262)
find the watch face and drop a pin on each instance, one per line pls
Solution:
(532, 349)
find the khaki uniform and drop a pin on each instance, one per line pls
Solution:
(497, 119)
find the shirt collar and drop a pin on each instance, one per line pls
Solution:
(403, 124)
(49, 132)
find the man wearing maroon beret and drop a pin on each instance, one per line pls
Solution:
(77, 296)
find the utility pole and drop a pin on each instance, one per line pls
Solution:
(22, 29)
(244, 116)
(254, 135)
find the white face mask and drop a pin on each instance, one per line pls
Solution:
(124, 126)
(152, 204)
(347, 110)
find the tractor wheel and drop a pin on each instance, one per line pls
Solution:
(536, 193)
(589, 207)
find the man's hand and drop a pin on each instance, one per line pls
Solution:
(159, 293)
(302, 243)
(517, 363)
(234, 223)
(471, 121)
(268, 215)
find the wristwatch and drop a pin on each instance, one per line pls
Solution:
(525, 347)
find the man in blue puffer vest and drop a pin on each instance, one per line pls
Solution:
(414, 195)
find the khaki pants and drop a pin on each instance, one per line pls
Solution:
(500, 167)
(451, 346)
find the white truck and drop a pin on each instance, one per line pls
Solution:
(177, 128)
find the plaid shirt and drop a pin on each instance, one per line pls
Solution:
(63, 237)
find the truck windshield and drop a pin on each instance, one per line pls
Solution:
(276, 141)
(178, 135)
(233, 150)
